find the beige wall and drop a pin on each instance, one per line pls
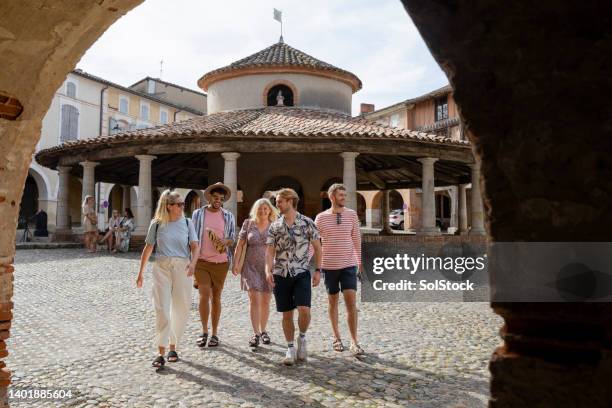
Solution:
(247, 92)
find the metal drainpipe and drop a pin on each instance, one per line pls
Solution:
(100, 135)
(175, 112)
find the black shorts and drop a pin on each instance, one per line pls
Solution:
(340, 279)
(290, 292)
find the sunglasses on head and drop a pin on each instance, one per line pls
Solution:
(179, 204)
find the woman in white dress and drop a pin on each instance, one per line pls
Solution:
(90, 224)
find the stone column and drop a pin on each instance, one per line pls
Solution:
(477, 210)
(143, 216)
(428, 210)
(386, 228)
(126, 201)
(63, 222)
(230, 179)
(89, 179)
(463, 219)
(349, 179)
(454, 219)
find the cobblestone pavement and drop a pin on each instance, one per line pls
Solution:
(80, 323)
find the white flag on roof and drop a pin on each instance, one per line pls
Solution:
(278, 15)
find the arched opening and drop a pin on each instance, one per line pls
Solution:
(29, 203)
(325, 201)
(361, 208)
(115, 200)
(280, 182)
(536, 197)
(396, 210)
(192, 202)
(443, 210)
(280, 95)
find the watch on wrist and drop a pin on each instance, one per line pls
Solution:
(318, 270)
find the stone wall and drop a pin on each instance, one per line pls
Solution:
(40, 42)
(532, 83)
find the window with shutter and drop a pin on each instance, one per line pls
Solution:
(69, 123)
(144, 112)
(123, 105)
(71, 90)
(163, 117)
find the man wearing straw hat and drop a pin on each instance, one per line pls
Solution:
(216, 228)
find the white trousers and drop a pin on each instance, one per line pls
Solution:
(171, 299)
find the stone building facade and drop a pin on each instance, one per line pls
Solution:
(87, 107)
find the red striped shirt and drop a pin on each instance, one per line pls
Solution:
(341, 242)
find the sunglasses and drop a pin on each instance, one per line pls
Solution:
(179, 204)
(338, 218)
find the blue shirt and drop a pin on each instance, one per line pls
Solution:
(173, 238)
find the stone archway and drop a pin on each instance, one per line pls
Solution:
(29, 202)
(325, 202)
(534, 188)
(286, 182)
(193, 200)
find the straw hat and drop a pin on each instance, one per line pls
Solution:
(207, 195)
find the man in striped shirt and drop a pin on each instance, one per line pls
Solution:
(339, 230)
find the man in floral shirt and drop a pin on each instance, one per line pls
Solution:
(288, 269)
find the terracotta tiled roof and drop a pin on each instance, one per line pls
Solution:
(270, 123)
(280, 55)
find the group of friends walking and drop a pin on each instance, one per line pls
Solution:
(271, 253)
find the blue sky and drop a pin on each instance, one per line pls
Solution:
(377, 43)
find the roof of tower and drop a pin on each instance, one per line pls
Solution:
(277, 58)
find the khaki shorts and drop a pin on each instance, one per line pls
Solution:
(209, 274)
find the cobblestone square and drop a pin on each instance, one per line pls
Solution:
(80, 323)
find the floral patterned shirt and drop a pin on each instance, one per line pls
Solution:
(292, 244)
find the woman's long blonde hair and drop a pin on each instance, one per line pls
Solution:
(255, 210)
(162, 215)
(87, 197)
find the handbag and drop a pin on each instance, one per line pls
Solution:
(240, 263)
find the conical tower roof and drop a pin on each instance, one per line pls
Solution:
(280, 58)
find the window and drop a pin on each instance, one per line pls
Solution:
(394, 120)
(280, 95)
(71, 90)
(144, 111)
(163, 117)
(441, 108)
(124, 104)
(69, 123)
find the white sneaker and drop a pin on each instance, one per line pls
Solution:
(289, 356)
(302, 353)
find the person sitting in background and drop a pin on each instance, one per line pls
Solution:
(109, 236)
(124, 232)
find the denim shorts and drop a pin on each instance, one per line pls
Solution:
(340, 279)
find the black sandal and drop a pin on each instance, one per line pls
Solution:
(213, 342)
(337, 345)
(201, 342)
(254, 342)
(159, 362)
(265, 338)
(173, 356)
